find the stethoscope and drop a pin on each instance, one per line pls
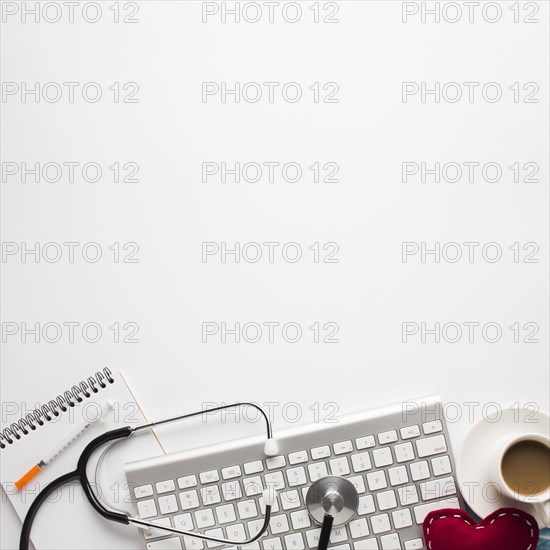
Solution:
(330, 500)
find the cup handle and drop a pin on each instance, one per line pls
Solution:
(543, 513)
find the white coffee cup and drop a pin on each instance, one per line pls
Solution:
(540, 499)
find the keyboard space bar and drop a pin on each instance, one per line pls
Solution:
(420, 512)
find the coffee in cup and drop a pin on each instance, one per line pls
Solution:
(526, 467)
(521, 468)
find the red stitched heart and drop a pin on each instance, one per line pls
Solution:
(505, 529)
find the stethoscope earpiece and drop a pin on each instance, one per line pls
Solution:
(271, 448)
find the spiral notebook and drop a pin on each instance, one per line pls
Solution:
(68, 521)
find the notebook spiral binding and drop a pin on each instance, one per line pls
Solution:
(55, 407)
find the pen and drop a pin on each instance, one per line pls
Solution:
(58, 449)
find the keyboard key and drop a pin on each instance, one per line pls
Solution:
(341, 547)
(294, 542)
(225, 514)
(431, 446)
(365, 442)
(247, 509)
(404, 452)
(254, 527)
(152, 533)
(420, 512)
(187, 482)
(168, 504)
(359, 483)
(272, 544)
(382, 457)
(387, 437)
(359, 528)
(231, 472)
(338, 534)
(279, 524)
(147, 508)
(204, 518)
(419, 470)
(210, 477)
(386, 500)
(377, 480)
(441, 465)
(339, 466)
(165, 486)
(432, 427)
(317, 470)
(143, 491)
(343, 447)
(402, 518)
(253, 467)
(296, 476)
(415, 544)
(320, 452)
(398, 476)
(298, 457)
(192, 543)
(407, 495)
(361, 462)
(290, 500)
(275, 462)
(300, 519)
(409, 432)
(313, 537)
(236, 532)
(390, 542)
(275, 480)
(380, 523)
(184, 522)
(232, 490)
(367, 544)
(210, 495)
(218, 533)
(165, 544)
(366, 505)
(253, 486)
(438, 488)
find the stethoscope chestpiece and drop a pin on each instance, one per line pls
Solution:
(333, 496)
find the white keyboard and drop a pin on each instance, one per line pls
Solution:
(398, 457)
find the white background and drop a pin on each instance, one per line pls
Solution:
(170, 292)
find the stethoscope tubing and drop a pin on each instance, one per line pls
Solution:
(80, 475)
(326, 528)
(77, 475)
